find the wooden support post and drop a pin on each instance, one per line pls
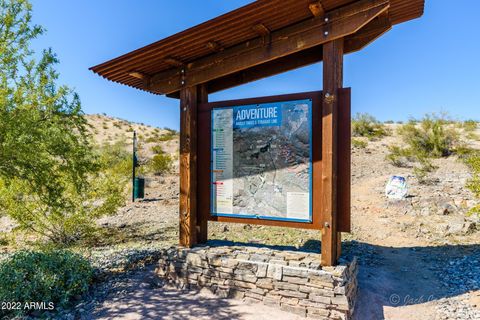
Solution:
(332, 81)
(188, 166)
(202, 215)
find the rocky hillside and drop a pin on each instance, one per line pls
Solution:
(110, 130)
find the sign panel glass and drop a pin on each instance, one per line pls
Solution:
(261, 161)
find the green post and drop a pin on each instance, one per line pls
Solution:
(134, 164)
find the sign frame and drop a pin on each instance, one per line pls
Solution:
(204, 160)
(310, 164)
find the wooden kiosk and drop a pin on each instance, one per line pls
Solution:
(262, 39)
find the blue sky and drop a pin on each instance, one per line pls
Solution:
(426, 65)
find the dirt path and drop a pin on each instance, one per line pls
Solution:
(142, 296)
(414, 261)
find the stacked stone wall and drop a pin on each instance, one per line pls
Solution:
(290, 280)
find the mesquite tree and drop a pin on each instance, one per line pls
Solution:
(52, 182)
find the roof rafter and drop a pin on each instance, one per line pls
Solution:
(316, 8)
(353, 43)
(335, 24)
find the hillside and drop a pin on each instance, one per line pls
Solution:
(109, 130)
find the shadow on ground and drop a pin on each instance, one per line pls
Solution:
(165, 304)
(142, 295)
(392, 278)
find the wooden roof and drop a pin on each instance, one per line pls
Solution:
(226, 31)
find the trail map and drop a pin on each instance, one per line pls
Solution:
(261, 161)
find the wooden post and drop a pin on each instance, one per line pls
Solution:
(202, 215)
(188, 166)
(332, 81)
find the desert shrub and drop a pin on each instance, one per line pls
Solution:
(172, 132)
(164, 137)
(365, 125)
(399, 157)
(130, 129)
(472, 159)
(157, 149)
(51, 181)
(116, 159)
(70, 215)
(389, 122)
(471, 135)
(4, 239)
(118, 124)
(161, 163)
(469, 125)
(54, 276)
(151, 139)
(359, 143)
(432, 137)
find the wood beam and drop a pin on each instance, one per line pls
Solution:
(268, 69)
(138, 75)
(188, 167)
(352, 43)
(316, 8)
(202, 215)
(372, 31)
(261, 30)
(142, 76)
(173, 62)
(316, 31)
(344, 142)
(332, 82)
(214, 46)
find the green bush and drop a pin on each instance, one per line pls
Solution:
(431, 137)
(473, 161)
(172, 132)
(359, 143)
(118, 124)
(72, 217)
(157, 149)
(161, 163)
(51, 182)
(469, 125)
(365, 125)
(164, 137)
(55, 276)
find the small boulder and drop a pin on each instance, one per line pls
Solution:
(447, 208)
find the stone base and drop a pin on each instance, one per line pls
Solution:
(293, 281)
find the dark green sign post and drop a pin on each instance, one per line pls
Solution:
(134, 163)
(138, 184)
